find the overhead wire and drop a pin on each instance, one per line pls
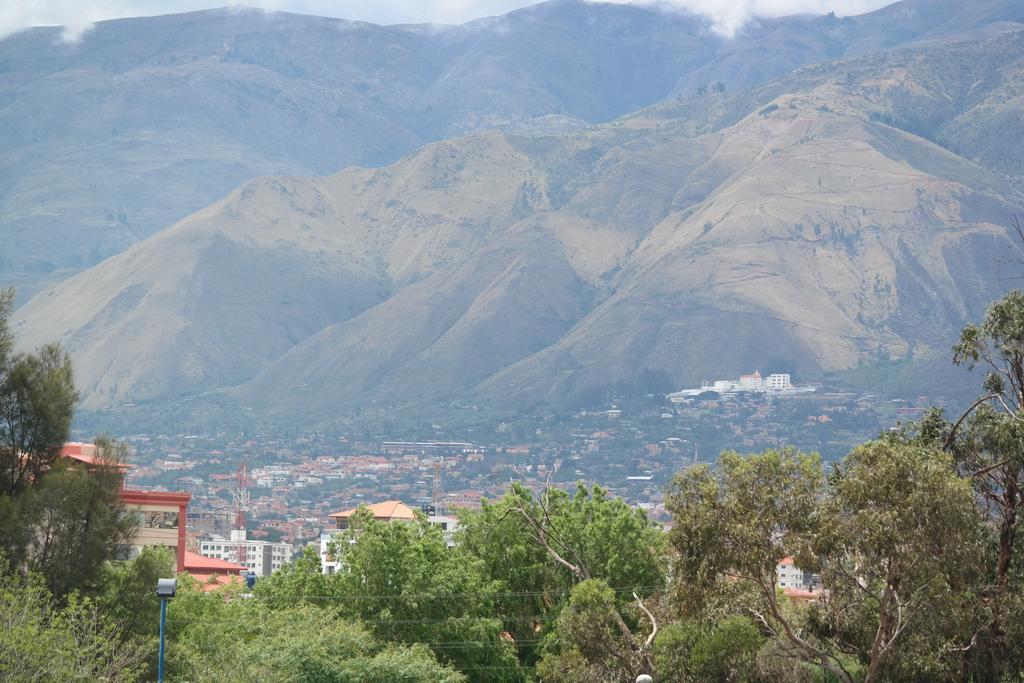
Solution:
(436, 596)
(402, 622)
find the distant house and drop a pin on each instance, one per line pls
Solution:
(388, 511)
(162, 514)
(796, 583)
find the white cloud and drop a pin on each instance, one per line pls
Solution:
(77, 16)
(728, 16)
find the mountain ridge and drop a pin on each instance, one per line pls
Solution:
(813, 223)
(668, 243)
(100, 151)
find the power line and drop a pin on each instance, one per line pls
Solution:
(440, 596)
(403, 622)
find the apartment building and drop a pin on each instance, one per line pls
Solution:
(260, 557)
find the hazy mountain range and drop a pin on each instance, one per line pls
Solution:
(612, 192)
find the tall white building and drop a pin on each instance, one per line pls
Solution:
(260, 557)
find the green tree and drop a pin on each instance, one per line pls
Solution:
(300, 578)
(587, 642)
(895, 536)
(900, 550)
(539, 548)
(41, 642)
(60, 521)
(125, 590)
(402, 580)
(220, 637)
(732, 525)
(76, 521)
(37, 399)
(991, 451)
(520, 566)
(690, 652)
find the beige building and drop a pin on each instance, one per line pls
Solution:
(162, 514)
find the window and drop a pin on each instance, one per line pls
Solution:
(160, 520)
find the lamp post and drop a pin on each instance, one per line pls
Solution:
(165, 589)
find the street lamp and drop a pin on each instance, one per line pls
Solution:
(644, 678)
(165, 589)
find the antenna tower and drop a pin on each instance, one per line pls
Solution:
(438, 488)
(239, 505)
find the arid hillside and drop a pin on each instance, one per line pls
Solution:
(802, 224)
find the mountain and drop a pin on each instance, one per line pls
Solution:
(106, 141)
(816, 222)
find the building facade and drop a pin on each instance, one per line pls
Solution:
(795, 582)
(161, 515)
(260, 557)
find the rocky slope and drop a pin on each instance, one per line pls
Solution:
(106, 141)
(803, 225)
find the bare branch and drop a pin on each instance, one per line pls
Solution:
(826, 660)
(986, 470)
(654, 622)
(956, 425)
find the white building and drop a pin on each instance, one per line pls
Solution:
(260, 557)
(750, 382)
(448, 523)
(794, 580)
(778, 383)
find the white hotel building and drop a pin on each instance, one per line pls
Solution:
(755, 383)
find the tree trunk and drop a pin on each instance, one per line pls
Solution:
(882, 635)
(1007, 537)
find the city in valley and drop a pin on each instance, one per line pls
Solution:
(267, 489)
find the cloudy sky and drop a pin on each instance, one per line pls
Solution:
(78, 15)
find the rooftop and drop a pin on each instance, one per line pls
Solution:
(389, 509)
(84, 453)
(202, 564)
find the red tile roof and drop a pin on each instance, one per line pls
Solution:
(195, 563)
(83, 452)
(215, 581)
(389, 509)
